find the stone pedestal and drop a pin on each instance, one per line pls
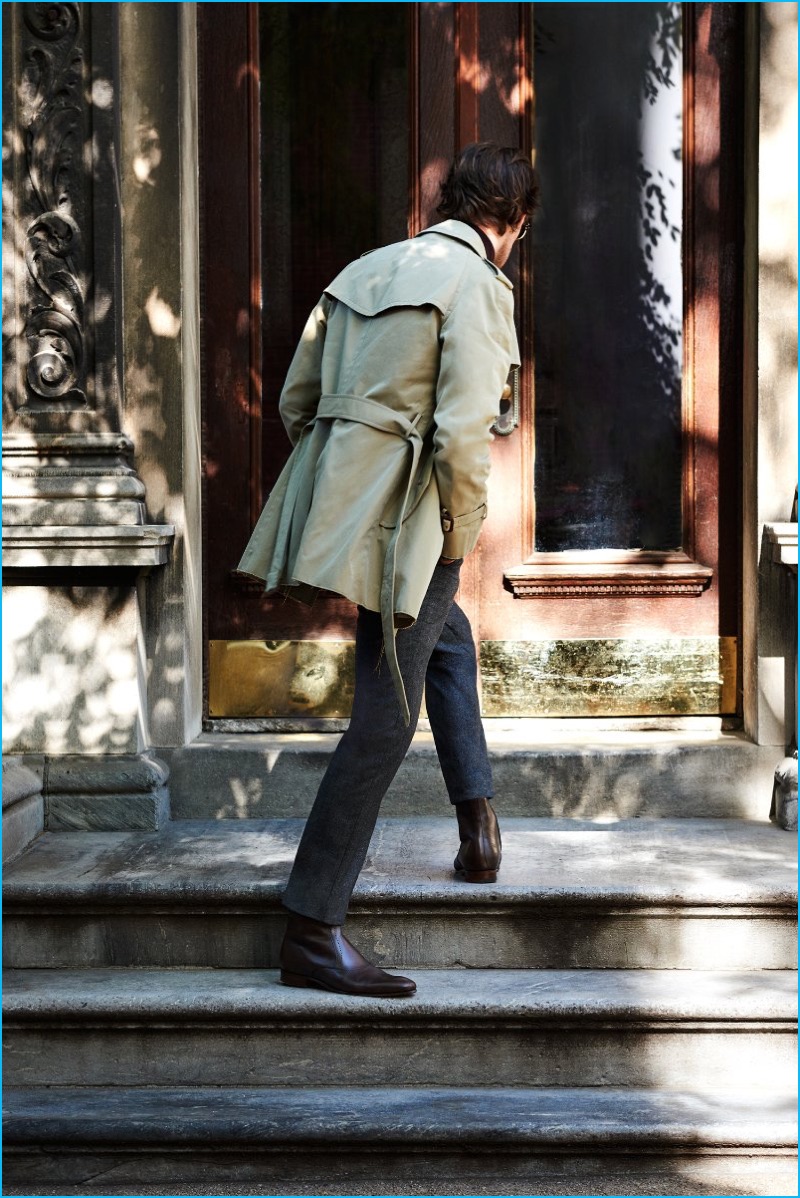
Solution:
(73, 695)
(783, 811)
(111, 793)
(782, 542)
(75, 545)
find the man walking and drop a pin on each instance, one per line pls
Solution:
(388, 403)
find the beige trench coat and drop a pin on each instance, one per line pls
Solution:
(388, 403)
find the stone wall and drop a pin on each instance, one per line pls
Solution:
(770, 407)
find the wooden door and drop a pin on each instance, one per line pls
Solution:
(605, 581)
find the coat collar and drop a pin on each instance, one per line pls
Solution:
(462, 232)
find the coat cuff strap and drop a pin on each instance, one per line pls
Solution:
(461, 532)
(450, 522)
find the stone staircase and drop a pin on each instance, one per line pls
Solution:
(616, 1015)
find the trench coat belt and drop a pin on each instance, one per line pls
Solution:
(368, 411)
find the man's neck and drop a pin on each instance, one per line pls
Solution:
(488, 244)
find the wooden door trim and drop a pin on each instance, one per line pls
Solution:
(253, 70)
(608, 572)
(467, 73)
(414, 127)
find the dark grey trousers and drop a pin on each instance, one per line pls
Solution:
(436, 654)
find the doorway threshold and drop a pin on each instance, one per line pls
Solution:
(505, 729)
(540, 768)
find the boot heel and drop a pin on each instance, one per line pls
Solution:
(480, 875)
(296, 979)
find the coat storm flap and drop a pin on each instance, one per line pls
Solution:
(388, 403)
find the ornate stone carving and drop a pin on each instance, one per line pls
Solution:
(52, 115)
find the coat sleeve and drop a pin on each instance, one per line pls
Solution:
(303, 386)
(477, 340)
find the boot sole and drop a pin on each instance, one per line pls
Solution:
(304, 983)
(480, 875)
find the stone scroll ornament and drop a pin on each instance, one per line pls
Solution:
(53, 116)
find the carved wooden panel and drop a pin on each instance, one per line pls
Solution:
(605, 572)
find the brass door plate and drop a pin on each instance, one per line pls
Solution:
(592, 677)
(625, 677)
(280, 678)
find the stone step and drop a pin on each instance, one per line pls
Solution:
(596, 772)
(659, 1028)
(558, 1141)
(706, 894)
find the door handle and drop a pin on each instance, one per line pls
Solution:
(508, 417)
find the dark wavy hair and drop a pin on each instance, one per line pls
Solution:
(489, 184)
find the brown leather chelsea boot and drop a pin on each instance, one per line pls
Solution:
(479, 857)
(319, 956)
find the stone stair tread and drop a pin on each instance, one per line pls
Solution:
(596, 1118)
(631, 996)
(546, 861)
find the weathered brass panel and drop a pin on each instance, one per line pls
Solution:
(280, 678)
(669, 676)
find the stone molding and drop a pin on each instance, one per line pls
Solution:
(23, 808)
(19, 782)
(75, 500)
(102, 793)
(138, 547)
(782, 539)
(71, 479)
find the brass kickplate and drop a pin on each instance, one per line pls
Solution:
(592, 677)
(280, 678)
(648, 676)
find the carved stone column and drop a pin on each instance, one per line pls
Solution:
(76, 538)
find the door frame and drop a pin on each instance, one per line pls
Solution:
(706, 574)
